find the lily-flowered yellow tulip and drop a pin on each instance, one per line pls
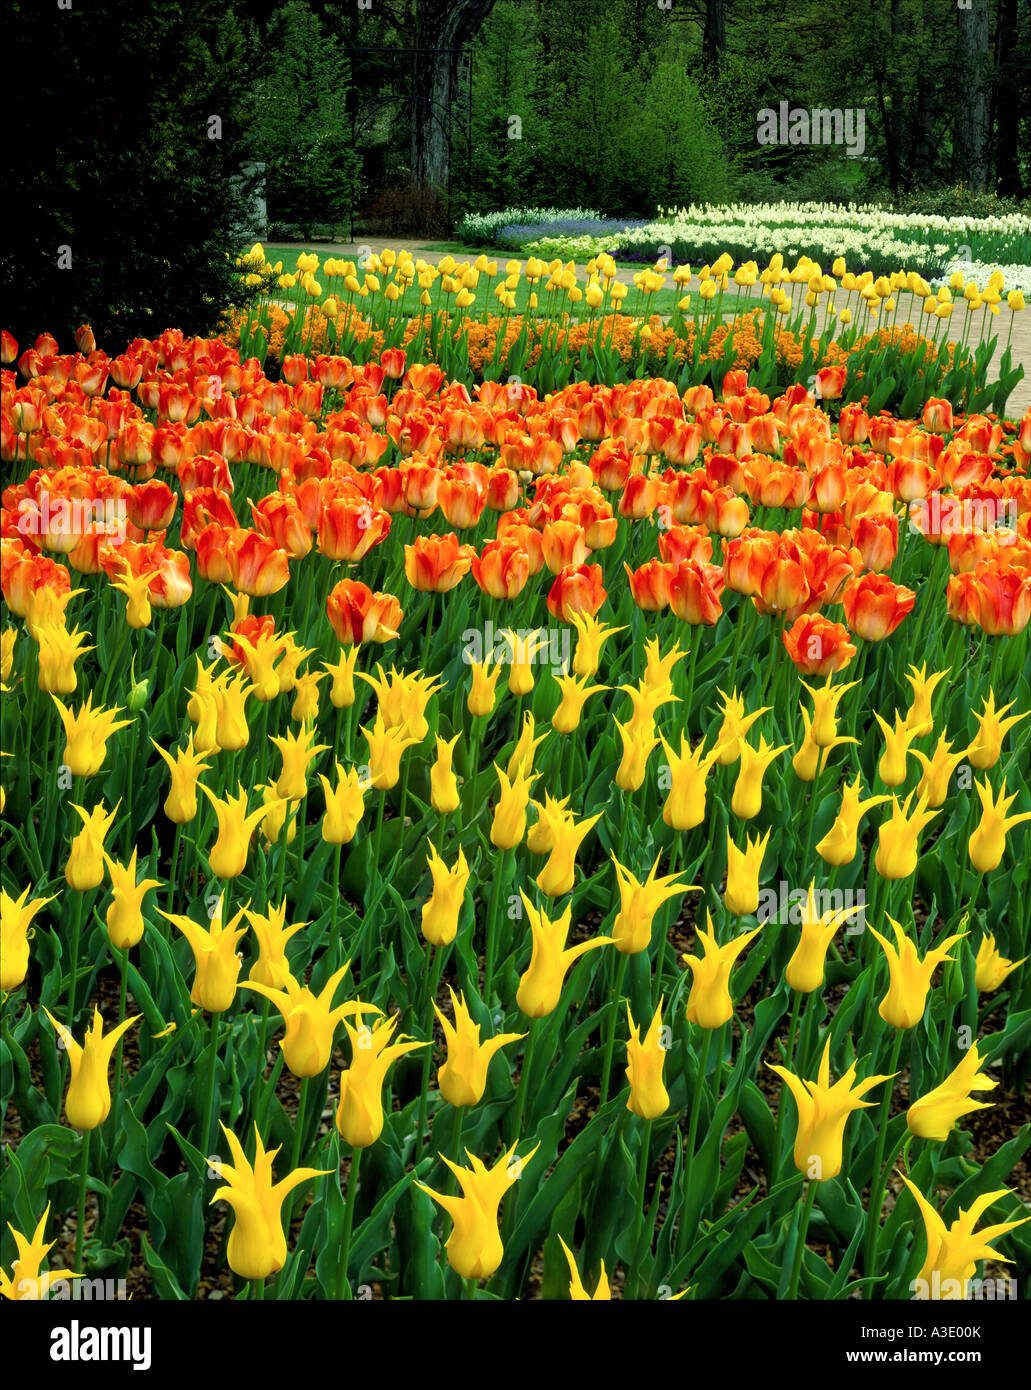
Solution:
(577, 1292)
(272, 967)
(747, 800)
(734, 726)
(938, 769)
(709, 1004)
(26, 1280)
(257, 1244)
(442, 909)
(658, 668)
(909, 977)
(987, 844)
(839, 845)
(892, 766)
(920, 717)
(305, 708)
(341, 692)
(482, 695)
(556, 878)
(743, 866)
(823, 1112)
(463, 1077)
(637, 745)
(443, 783)
(591, 636)
(85, 867)
(87, 733)
(991, 968)
(509, 824)
(638, 904)
(87, 1103)
(540, 987)
(386, 744)
(345, 804)
(260, 658)
(215, 957)
(527, 744)
(59, 650)
(359, 1117)
(402, 699)
(645, 1059)
(311, 1020)
(805, 969)
(297, 751)
(684, 807)
(825, 711)
(474, 1248)
(575, 694)
(541, 837)
(934, 1116)
(185, 765)
(811, 757)
(953, 1251)
(898, 839)
(228, 855)
(125, 914)
(16, 915)
(230, 694)
(992, 728)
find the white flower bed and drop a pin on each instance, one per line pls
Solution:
(1015, 277)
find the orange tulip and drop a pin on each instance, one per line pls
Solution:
(874, 606)
(817, 646)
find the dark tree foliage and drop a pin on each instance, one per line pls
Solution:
(123, 210)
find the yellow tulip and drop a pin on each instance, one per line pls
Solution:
(556, 878)
(892, 767)
(185, 766)
(909, 977)
(125, 923)
(747, 799)
(540, 986)
(709, 1004)
(684, 807)
(992, 728)
(805, 969)
(86, 734)
(577, 1292)
(215, 958)
(16, 917)
(272, 967)
(898, 838)
(311, 1019)
(934, 1116)
(509, 824)
(443, 784)
(59, 650)
(483, 690)
(592, 634)
(823, 1112)
(26, 1282)
(296, 751)
(920, 717)
(645, 1059)
(359, 1116)
(638, 904)
(257, 1245)
(575, 694)
(953, 1251)
(87, 1103)
(228, 855)
(85, 866)
(734, 726)
(386, 744)
(825, 711)
(741, 895)
(992, 967)
(463, 1077)
(987, 844)
(341, 692)
(474, 1248)
(345, 804)
(839, 845)
(441, 911)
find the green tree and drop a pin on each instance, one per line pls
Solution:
(299, 122)
(672, 152)
(125, 148)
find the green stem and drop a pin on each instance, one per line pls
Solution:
(80, 1229)
(692, 1131)
(343, 1287)
(803, 1231)
(524, 1080)
(209, 1097)
(257, 1289)
(789, 1062)
(73, 973)
(610, 1041)
(122, 958)
(879, 1170)
(633, 1281)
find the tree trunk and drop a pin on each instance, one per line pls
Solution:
(714, 37)
(439, 25)
(972, 110)
(1012, 91)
